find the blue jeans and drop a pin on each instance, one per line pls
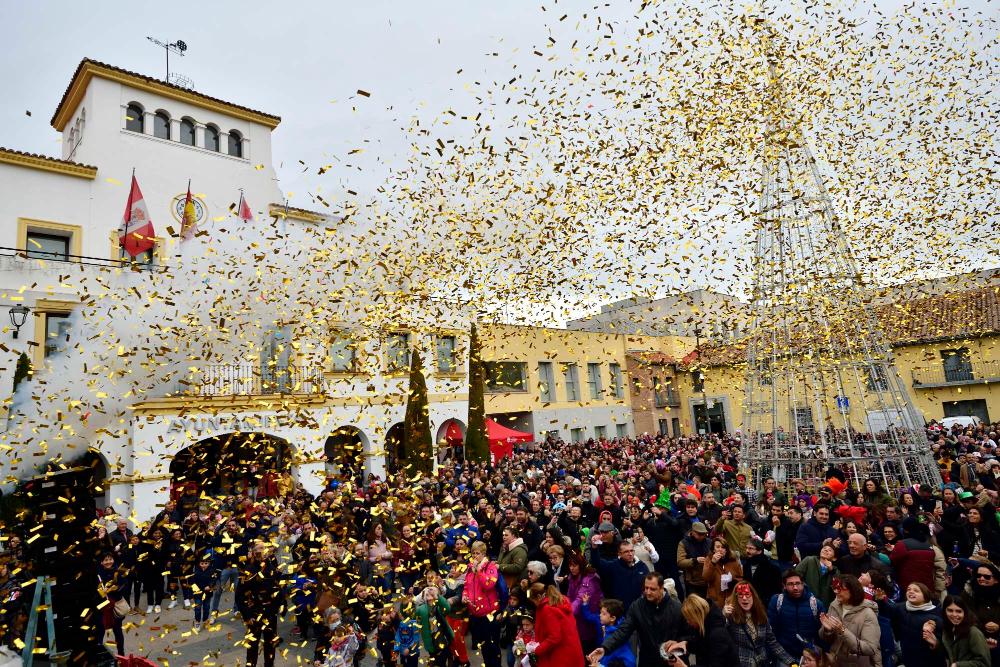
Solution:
(227, 574)
(202, 606)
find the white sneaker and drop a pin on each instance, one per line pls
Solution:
(157, 609)
(149, 609)
(187, 604)
(173, 603)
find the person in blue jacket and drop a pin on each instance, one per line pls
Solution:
(407, 644)
(622, 577)
(794, 614)
(815, 531)
(608, 619)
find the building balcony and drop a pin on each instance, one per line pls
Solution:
(251, 380)
(28, 255)
(667, 399)
(937, 375)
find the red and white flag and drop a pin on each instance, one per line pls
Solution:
(136, 233)
(244, 214)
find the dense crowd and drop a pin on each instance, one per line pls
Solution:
(652, 551)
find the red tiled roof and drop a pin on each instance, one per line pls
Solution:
(97, 65)
(40, 161)
(966, 314)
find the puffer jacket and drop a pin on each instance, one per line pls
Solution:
(481, 590)
(555, 632)
(811, 535)
(861, 635)
(795, 620)
(913, 560)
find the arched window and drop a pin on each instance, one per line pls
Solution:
(187, 132)
(212, 138)
(235, 143)
(161, 125)
(134, 118)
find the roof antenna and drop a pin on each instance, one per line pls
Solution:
(178, 47)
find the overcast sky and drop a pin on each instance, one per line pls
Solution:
(290, 59)
(302, 61)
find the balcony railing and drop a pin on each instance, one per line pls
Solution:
(667, 399)
(251, 380)
(66, 258)
(938, 375)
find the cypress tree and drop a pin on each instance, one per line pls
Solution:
(23, 369)
(418, 443)
(477, 444)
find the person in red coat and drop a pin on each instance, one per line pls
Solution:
(558, 642)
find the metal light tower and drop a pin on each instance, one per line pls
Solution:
(821, 388)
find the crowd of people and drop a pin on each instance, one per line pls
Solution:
(647, 551)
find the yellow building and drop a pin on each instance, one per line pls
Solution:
(555, 381)
(946, 349)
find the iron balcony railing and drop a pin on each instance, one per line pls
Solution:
(66, 258)
(940, 375)
(667, 399)
(251, 380)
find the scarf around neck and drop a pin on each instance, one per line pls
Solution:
(927, 606)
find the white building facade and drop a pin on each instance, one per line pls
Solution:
(60, 218)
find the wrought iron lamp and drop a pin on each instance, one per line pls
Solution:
(18, 316)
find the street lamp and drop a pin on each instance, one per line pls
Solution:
(18, 316)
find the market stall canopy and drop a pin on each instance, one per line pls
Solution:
(503, 439)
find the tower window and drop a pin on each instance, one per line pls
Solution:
(212, 138)
(187, 132)
(134, 118)
(235, 143)
(161, 125)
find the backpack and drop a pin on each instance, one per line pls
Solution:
(503, 592)
(812, 604)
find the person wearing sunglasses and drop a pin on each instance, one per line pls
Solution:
(982, 593)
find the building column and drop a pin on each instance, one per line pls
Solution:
(148, 498)
(175, 129)
(147, 122)
(199, 135)
(223, 142)
(246, 148)
(311, 475)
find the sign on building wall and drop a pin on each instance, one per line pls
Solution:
(230, 423)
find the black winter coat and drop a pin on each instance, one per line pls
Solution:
(655, 624)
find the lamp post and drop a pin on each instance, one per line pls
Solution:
(701, 375)
(18, 316)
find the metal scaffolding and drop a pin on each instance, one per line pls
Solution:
(821, 386)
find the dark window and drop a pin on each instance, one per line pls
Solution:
(134, 118)
(699, 380)
(503, 376)
(47, 246)
(56, 333)
(957, 365)
(212, 138)
(187, 132)
(235, 143)
(877, 380)
(161, 125)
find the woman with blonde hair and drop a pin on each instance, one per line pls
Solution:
(555, 628)
(711, 645)
(748, 625)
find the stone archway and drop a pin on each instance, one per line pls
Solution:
(228, 463)
(345, 451)
(395, 449)
(450, 440)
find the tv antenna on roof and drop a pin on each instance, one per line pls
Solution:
(178, 47)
